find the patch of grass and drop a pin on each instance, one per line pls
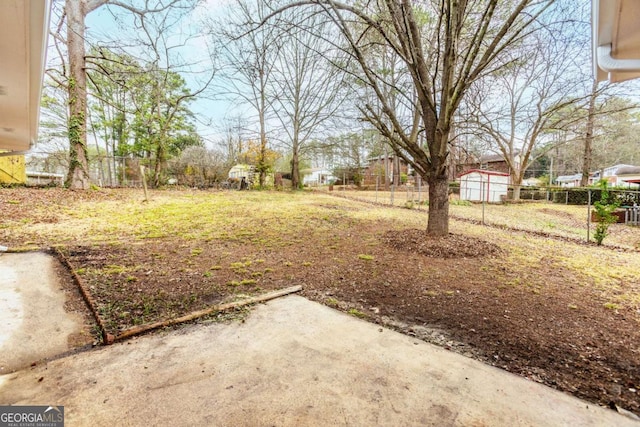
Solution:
(409, 204)
(240, 267)
(611, 306)
(356, 313)
(332, 302)
(241, 225)
(114, 269)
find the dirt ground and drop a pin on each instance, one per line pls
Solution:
(540, 323)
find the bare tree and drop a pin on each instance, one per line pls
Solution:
(74, 15)
(516, 108)
(445, 46)
(306, 88)
(199, 166)
(249, 58)
(587, 155)
(233, 138)
(169, 95)
(605, 134)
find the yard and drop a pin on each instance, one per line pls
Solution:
(538, 301)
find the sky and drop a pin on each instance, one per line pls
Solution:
(101, 26)
(211, 112)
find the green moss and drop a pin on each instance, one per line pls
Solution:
(356, 313)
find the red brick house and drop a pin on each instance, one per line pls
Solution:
(488, 162)
(391, 165)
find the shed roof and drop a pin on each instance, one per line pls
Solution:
(484, 172)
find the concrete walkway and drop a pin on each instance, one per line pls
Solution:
(293, 362)
(33, 322)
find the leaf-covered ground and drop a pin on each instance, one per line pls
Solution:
(551, 309)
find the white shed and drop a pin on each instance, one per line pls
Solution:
(478, 185)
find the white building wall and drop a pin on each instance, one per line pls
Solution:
(477, 186)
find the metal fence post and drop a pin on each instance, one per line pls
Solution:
(482, 196)
(589, 216)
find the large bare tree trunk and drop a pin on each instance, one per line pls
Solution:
(387, 184)
(516, 191)
(517, 176)
(159, 165)
(438, 224)
(396, 171)
(465, 41)
(295, 169)
(588, 138)
(262, 161)
(78, 175)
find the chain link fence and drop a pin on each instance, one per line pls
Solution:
(554, 212)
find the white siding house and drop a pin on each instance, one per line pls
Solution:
(615, 175)
(481, 185)
(318, 177)
(569, 180)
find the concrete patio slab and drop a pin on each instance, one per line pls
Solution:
(293, 362)
(33, 322)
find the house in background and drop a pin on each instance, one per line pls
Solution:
(318, 176)
(618, 175)
(629, 175)
(390, 165)
(487, 162)
(569, 180)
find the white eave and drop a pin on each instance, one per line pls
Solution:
(616, 39)
(24, 26)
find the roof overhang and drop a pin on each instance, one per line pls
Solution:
(616, 39)
(24, 26)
